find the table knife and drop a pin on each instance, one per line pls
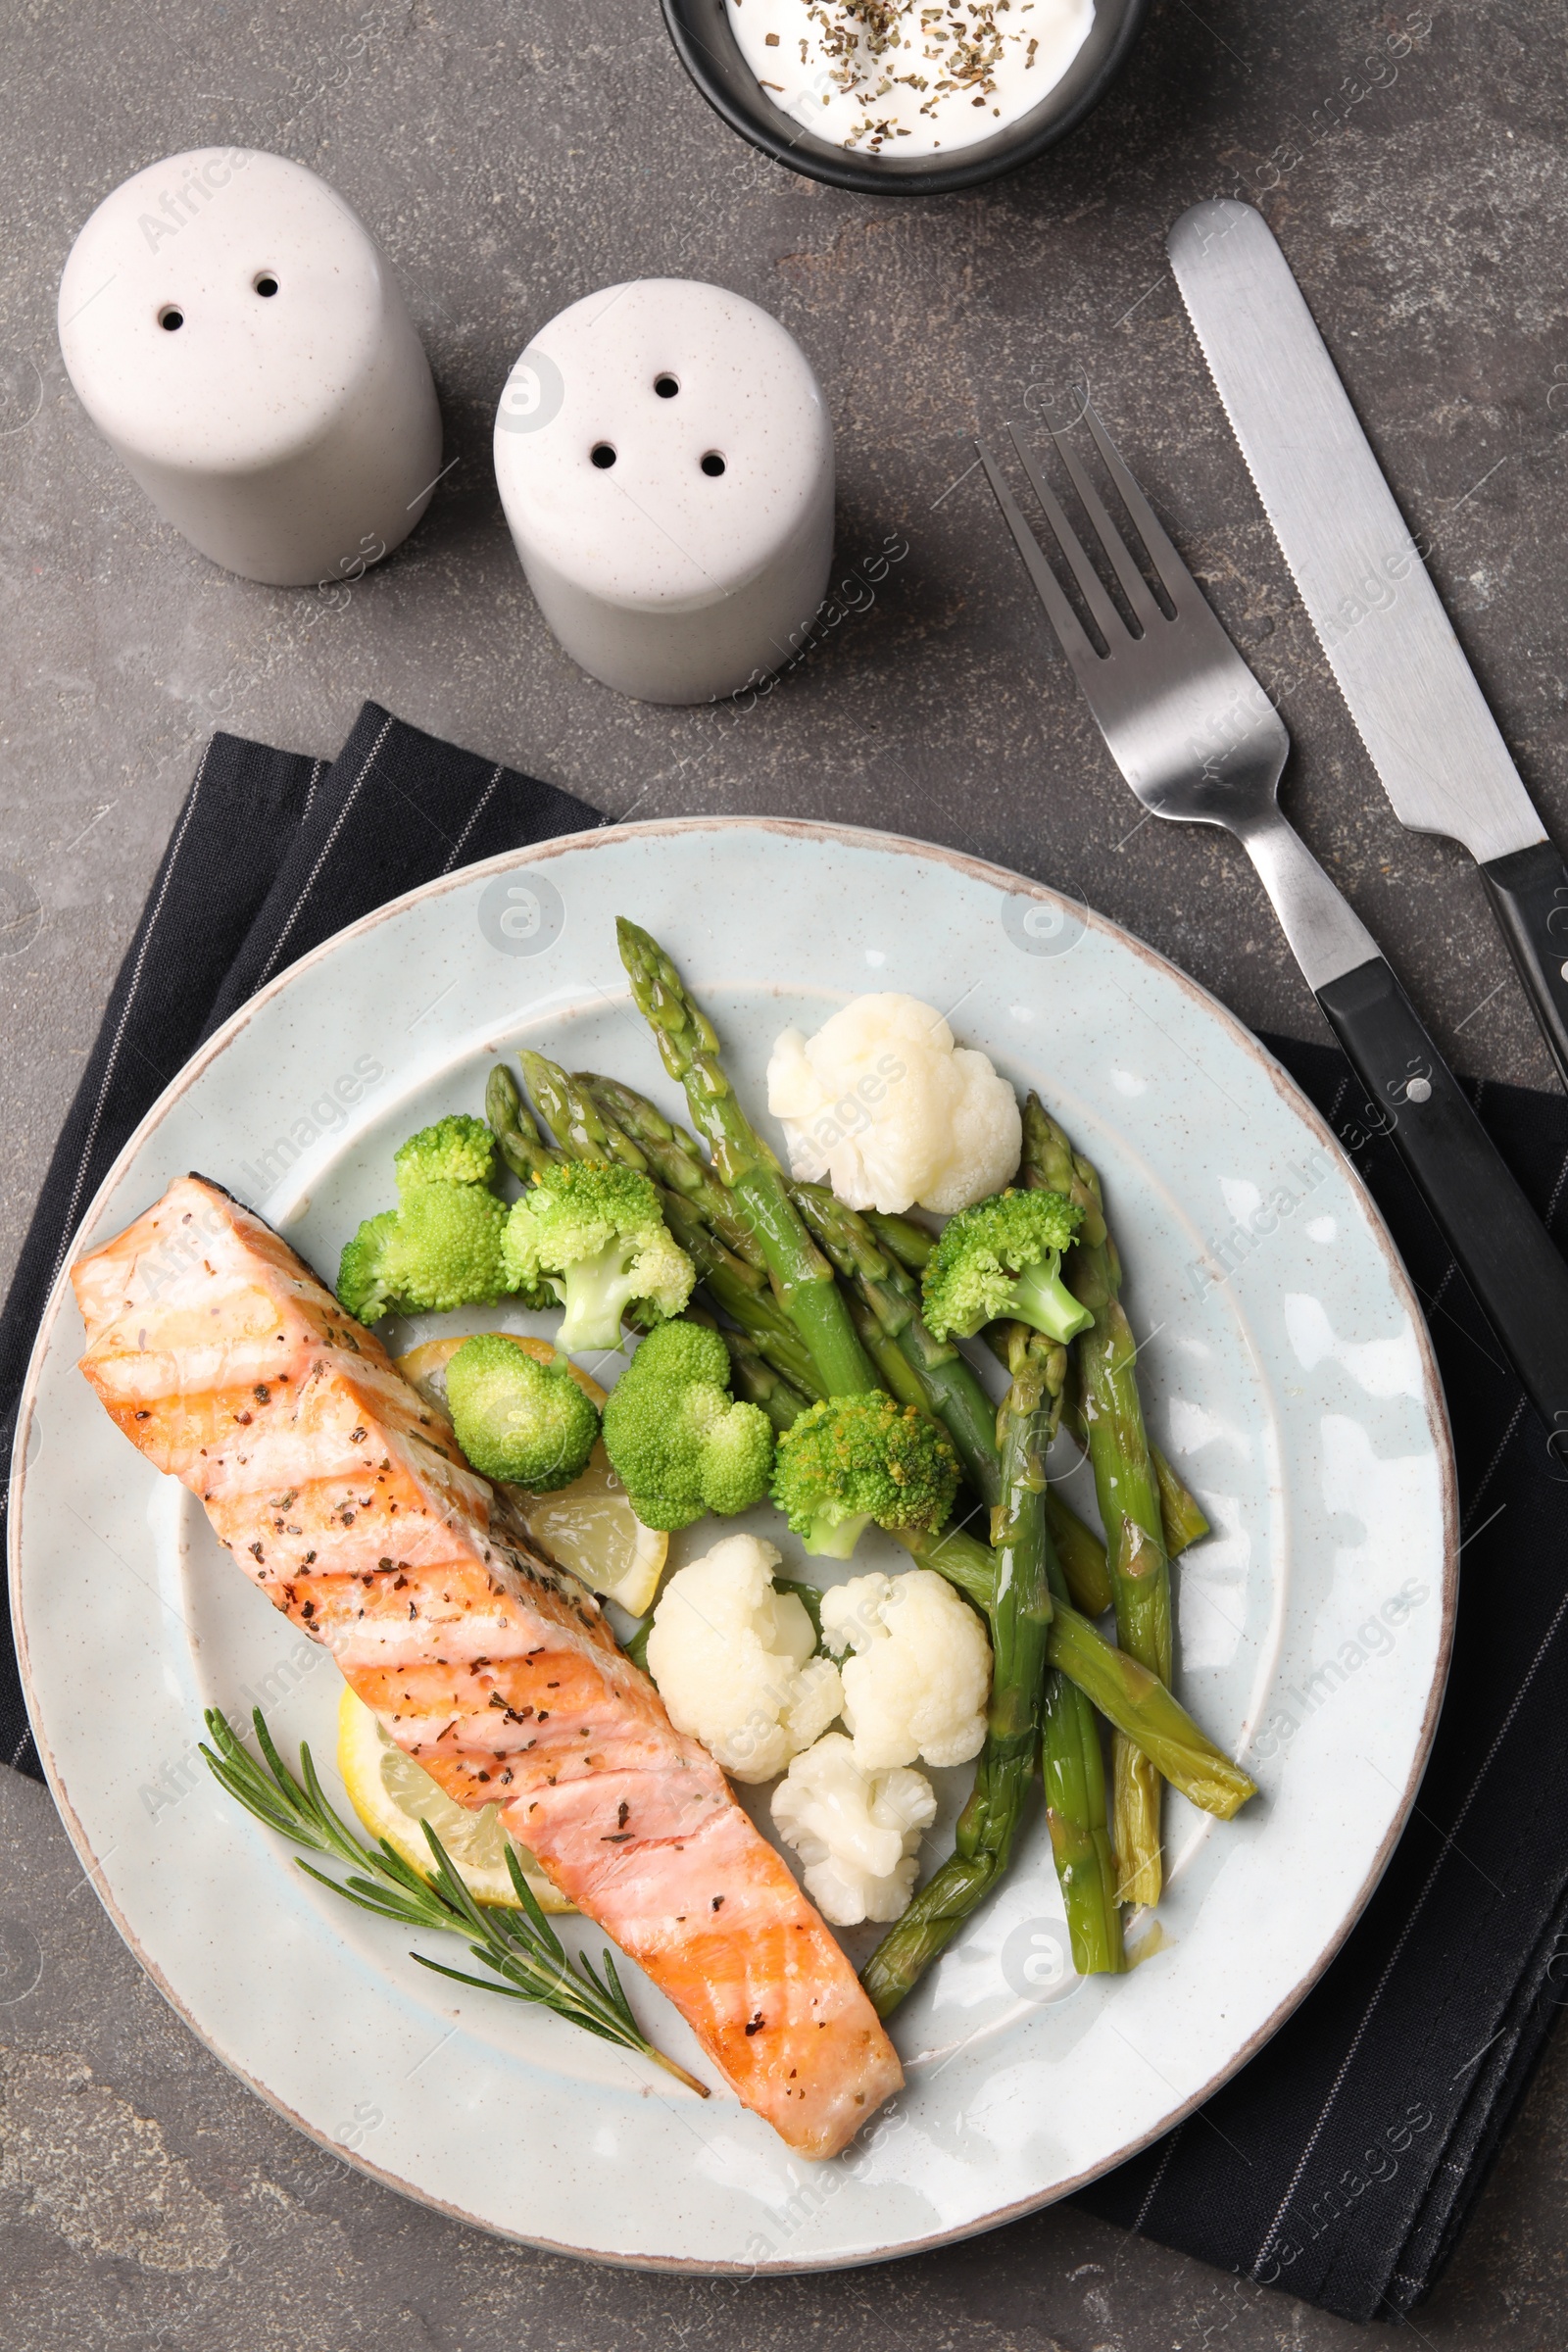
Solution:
(1421, 714)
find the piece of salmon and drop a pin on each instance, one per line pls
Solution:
(343, 1495)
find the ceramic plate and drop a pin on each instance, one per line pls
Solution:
(1288, 1375)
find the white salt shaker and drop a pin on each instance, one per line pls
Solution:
(234, 333)
(665, 461)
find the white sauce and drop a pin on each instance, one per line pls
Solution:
(909, 76)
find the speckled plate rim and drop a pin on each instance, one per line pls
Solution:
(1291, 1099)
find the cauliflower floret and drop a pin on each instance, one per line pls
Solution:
(884, 1106)
(918, 1683)
(858, 1832)
(733, 1663)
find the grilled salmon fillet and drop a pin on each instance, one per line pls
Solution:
(344, 1496)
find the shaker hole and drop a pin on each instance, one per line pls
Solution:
(667, 386)
(169, 319)
(714, 464)
(603, 456)
(266, 283)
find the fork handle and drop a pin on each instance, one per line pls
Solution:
(1528, 893)
(1518, 1276)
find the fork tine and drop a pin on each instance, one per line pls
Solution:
(1134, 585)
(1177, 581)
(1105, 614)
(1063, 619)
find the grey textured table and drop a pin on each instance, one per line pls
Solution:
(510, 158)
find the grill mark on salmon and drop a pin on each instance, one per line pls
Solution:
(342, 1494)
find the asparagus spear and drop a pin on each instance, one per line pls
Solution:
(673, 1158)
(1020, 1616)
(1179, 1508)
(1082, 1557)
(736, 1284)
(1080, 1841)
(1180, 1511)
(521, 1145)
(1140, 1571)
(943, 1382)
(908, 1242)
(800, 1274)
(1132, 1700)
(898, 1375)
(1125, 1485)
(1070, 1759)
(573, 1117)
(744, 1295)
(636, 1644)
(525, 1152)
(758, 1383)
(1070, 1748)
(1143, 1711)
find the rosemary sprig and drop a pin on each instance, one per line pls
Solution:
(521, 1948)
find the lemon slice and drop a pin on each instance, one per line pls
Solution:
(589, 1527)
(392, 1795)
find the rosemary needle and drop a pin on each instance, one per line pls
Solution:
(521, 1948)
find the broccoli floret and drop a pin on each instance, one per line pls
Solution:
(737, 1459)
(441, 1247)
(676, 1440)
(855, 1460)
(444, 1248)
(362, 1285)
(517, 1419)
(1004, 1258)
(455, 1150)
(597, 1232)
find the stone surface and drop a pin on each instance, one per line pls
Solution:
(148, 2199)
(511, 158)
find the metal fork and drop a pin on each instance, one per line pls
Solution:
(1187, 723)
(1199, 742)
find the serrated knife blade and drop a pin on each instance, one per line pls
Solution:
(1422, 716)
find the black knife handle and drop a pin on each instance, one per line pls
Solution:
(1518, 1277)
(1528, 893)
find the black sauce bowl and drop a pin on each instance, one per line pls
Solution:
(711, 54)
